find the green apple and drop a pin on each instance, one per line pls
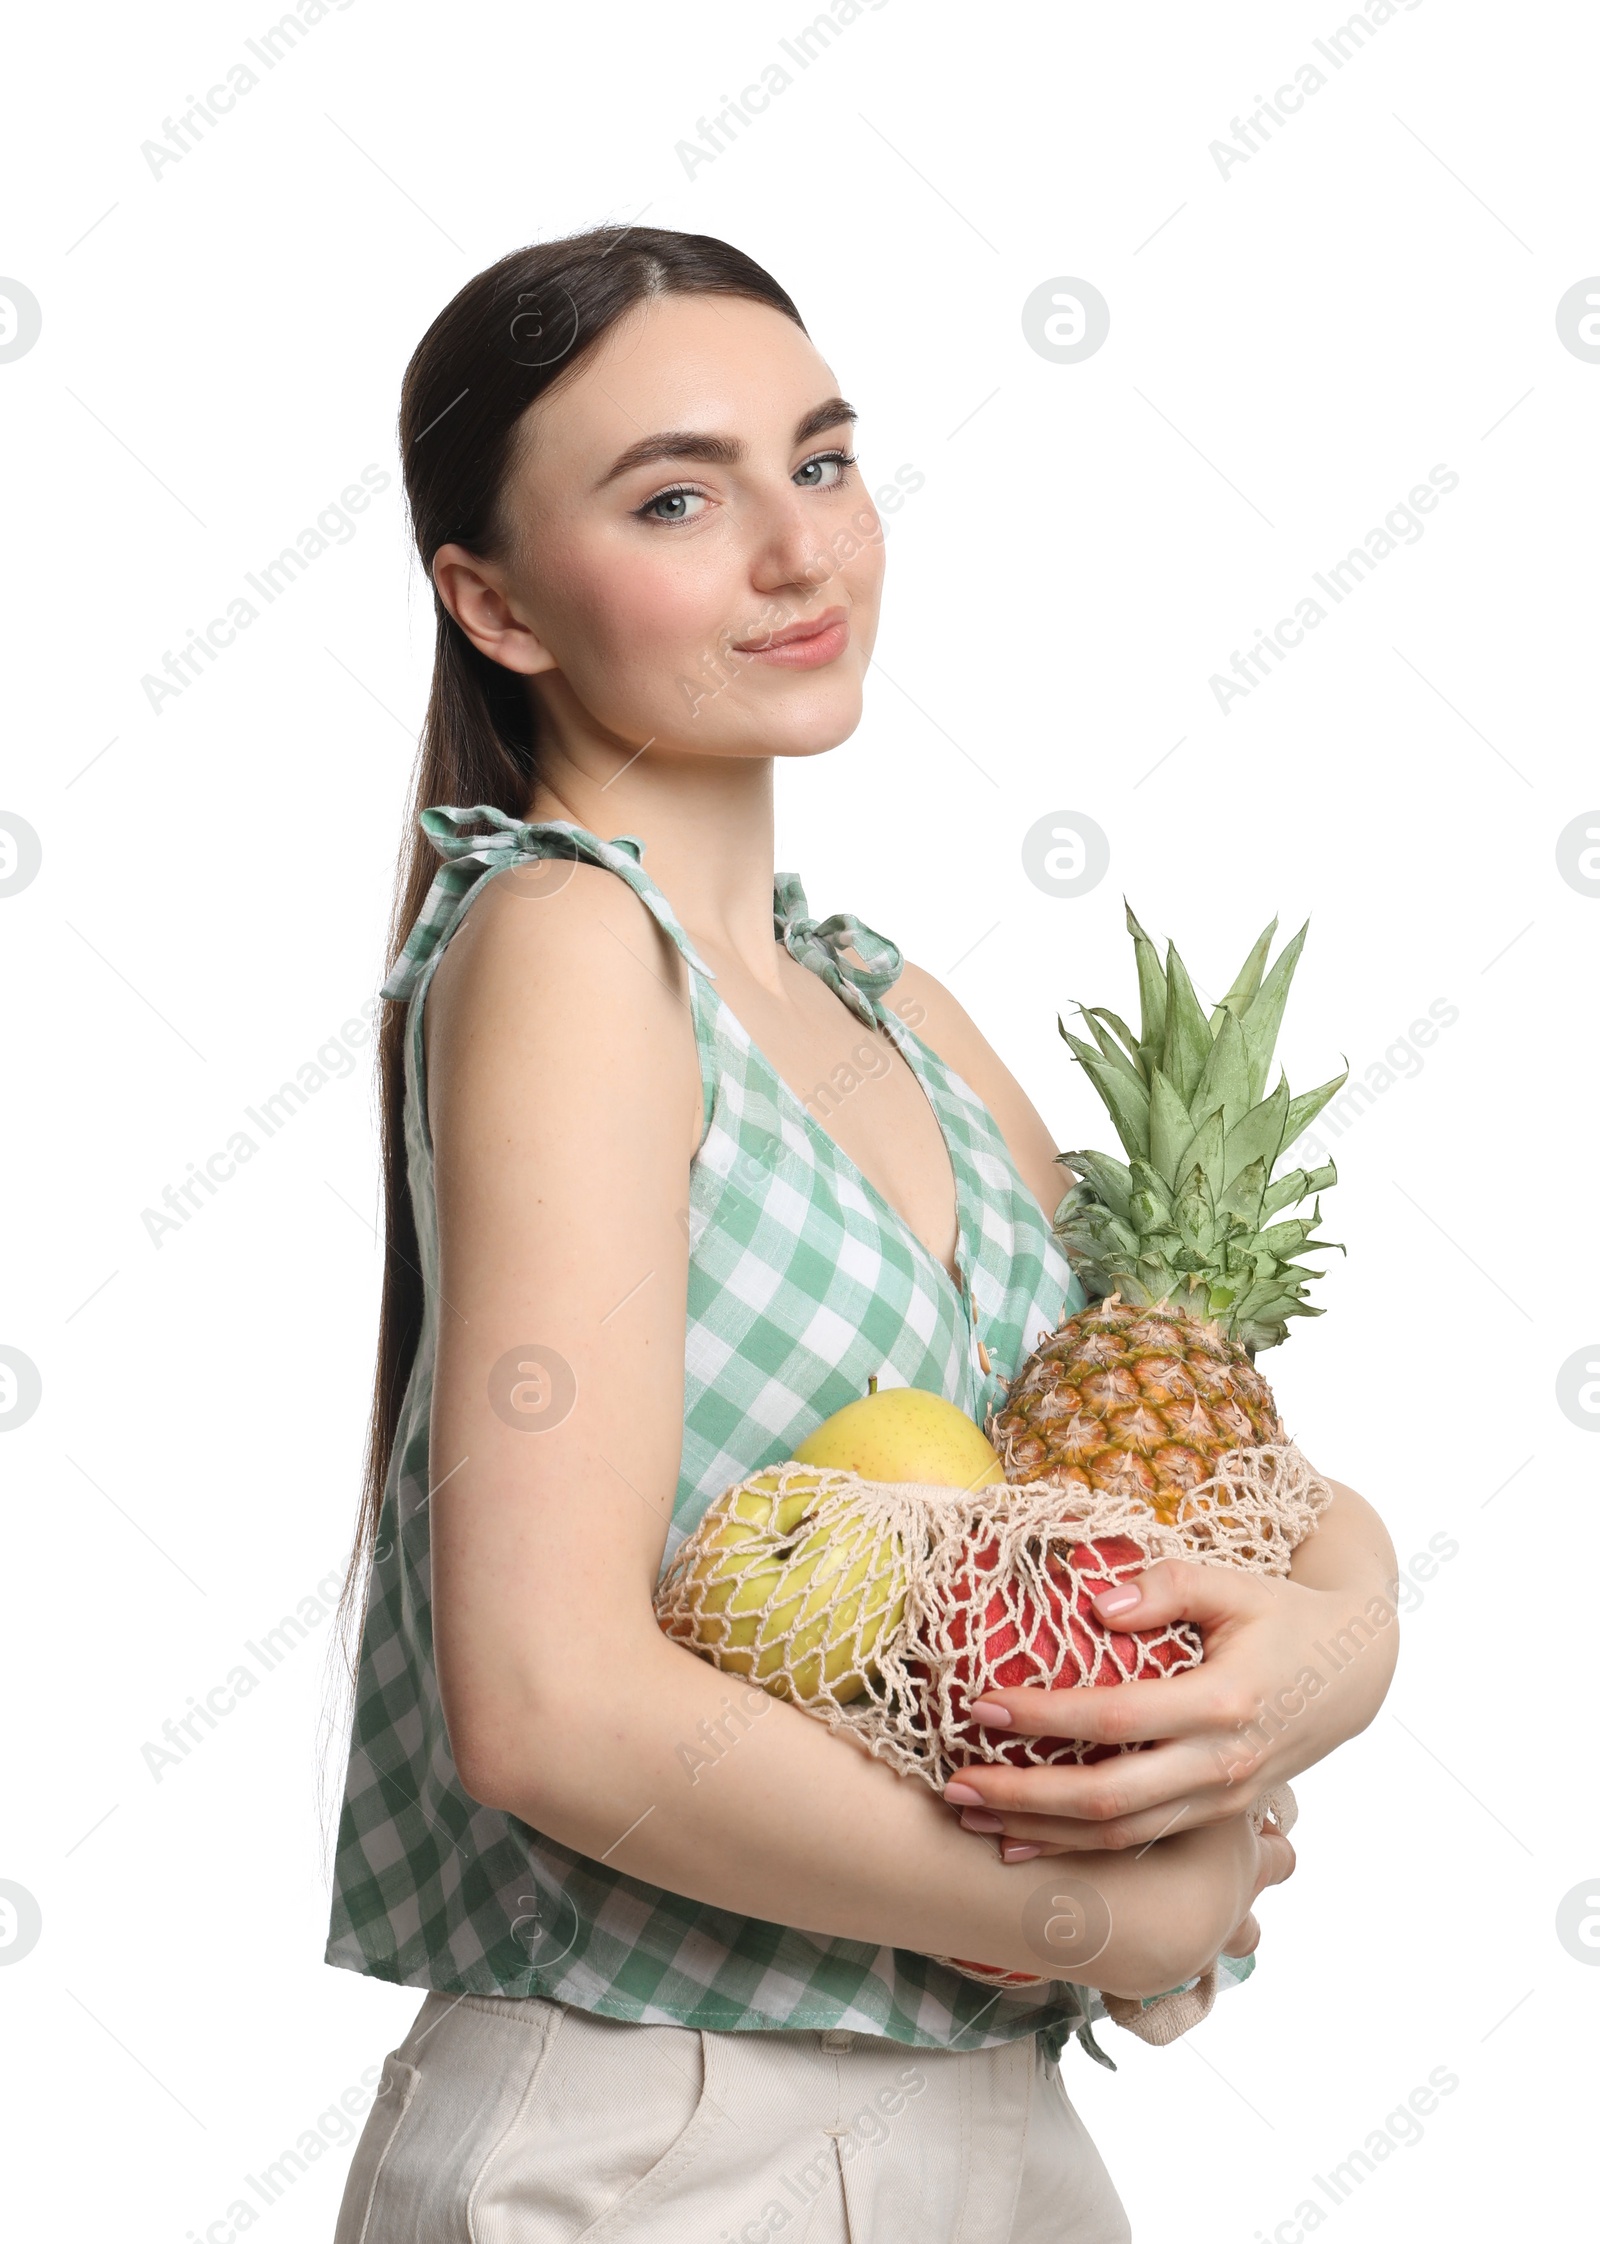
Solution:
(830, 1595)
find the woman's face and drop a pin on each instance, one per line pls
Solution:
(678, 503)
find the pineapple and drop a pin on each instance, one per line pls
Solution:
(1185, 1248)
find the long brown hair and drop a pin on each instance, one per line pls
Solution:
(510, 335)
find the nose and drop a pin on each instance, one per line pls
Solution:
(790, 553)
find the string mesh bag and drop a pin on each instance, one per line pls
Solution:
(887, 1608)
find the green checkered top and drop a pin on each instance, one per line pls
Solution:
(802, 1282)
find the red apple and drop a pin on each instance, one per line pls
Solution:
(1046, 1633)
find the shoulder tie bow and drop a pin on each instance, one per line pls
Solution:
(821, 945)
(468, 855)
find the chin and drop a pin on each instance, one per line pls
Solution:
(805, 722)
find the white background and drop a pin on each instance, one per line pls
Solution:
(1292, 348)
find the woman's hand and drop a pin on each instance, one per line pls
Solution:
(1292, 1668)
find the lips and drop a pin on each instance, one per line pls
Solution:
(813, 639)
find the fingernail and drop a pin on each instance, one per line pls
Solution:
(1012, 1850)
(991, 1716)
(979, 1819)
(1116, 1601)
(963, 1795)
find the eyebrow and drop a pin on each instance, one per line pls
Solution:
(721, 451)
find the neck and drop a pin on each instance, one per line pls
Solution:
(706, 823)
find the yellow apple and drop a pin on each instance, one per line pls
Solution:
(904, 1433)
(836, 1592)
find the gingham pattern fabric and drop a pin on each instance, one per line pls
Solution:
(802, 1282)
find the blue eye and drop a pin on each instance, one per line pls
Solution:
(676, 498)
(839, 460)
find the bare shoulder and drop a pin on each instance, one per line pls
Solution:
(947, 1028)
(560, 977)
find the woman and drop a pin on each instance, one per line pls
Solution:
(678, 1943)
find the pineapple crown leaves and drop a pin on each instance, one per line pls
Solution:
(1188, 1216)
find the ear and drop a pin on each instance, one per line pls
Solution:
(476, 593)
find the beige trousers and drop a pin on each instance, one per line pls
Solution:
(522, 2121)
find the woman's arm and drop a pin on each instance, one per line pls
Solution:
(565, 1104)
(1292, 1669)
